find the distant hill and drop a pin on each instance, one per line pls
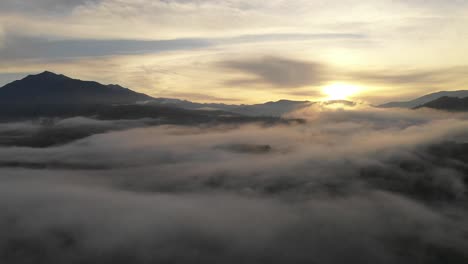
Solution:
(339, 102)
(185, 104)
(448, 103)
(275, 109)
(48, 88)
(426, 99)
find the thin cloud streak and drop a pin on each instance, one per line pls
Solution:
(16, 47)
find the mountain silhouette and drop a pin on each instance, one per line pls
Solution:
(51, 94)
(48, 88)
(448, 103)
(272, 108)
(425, 99)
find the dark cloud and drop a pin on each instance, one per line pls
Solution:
(57, 7)
(48, 132)
(360, 186)
(277, 72)
(21, 48)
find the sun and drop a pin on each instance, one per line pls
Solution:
(339, 91)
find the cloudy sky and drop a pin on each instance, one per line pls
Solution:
(242, 51)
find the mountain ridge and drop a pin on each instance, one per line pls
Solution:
(447, 103)
(51, 88)
(48, 88)
(271, 108)
(425, 99)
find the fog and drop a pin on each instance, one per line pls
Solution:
(358, 185)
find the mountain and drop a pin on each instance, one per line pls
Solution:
(190, 105)
(426, 99)
(48, 88)
(448, 103)
(339, 102)
(275, 109)
(50, 95)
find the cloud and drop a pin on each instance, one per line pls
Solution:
(419, 77)
(276, 72)
(27, 48)
(84, 225)
(291, 37)
(2, 37)
(358, 186)
(23, 47)
(437, 6)
(57, 7)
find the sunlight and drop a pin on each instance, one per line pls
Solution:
(339, 91)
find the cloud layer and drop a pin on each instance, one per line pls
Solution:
(358, 186)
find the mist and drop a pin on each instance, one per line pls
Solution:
(357, 185)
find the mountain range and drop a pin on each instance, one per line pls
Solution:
(418, 102)
(47, 89)
(448, 104)
(49, 94)
(277, 108)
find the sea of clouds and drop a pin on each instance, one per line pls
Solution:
(359, 185)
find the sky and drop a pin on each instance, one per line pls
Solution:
(243, 51)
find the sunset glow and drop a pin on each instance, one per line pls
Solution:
(242, 51)
(340, 91)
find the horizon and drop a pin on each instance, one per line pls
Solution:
(241, 51)
(323, 99)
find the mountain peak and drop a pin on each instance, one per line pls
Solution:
(426, 99)
(47, 75)
(51, 88)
